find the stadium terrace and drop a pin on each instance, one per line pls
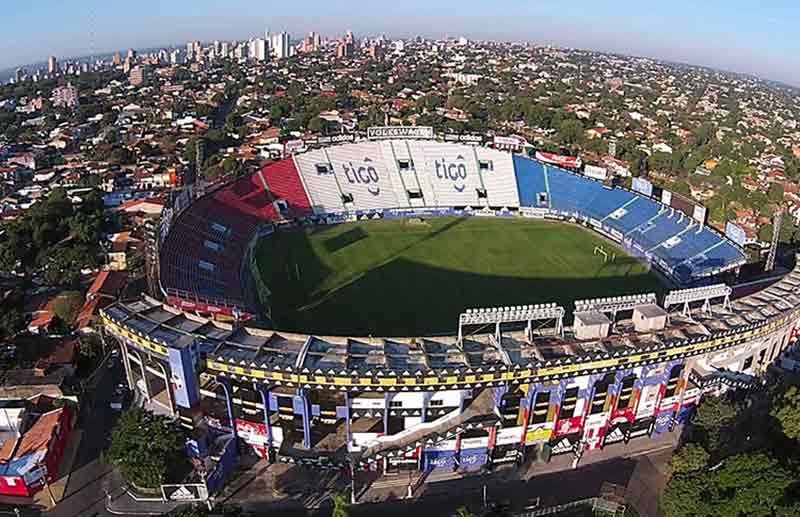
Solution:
(626, 368)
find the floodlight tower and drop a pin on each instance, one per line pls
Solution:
(777, 222)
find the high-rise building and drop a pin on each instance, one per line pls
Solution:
(65, 97)
(240, 52)
(52, 65)
(117, 59)
(225, 50)
(131, 54)
(279, 45)
(375, 51)
(260, 50)
(176, 57)
(138, 76)
(189, 51)
(20, 75)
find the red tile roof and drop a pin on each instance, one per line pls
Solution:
(39, 435)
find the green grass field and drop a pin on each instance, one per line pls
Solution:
(402, 278)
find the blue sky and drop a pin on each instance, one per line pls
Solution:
(745, 36)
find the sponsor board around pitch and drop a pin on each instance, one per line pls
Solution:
(533, 212)
(400, 132)
(215, 311)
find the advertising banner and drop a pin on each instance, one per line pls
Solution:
(642, 186)
(400, 132)
(735, 233)
(473, 459)
(439, 459)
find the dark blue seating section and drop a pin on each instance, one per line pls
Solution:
(674, 240)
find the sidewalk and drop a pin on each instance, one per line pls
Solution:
(44, 497)
(397, 488)
(281, 487)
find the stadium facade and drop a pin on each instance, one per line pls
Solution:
(463, 402)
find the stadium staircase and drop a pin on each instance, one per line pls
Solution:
(481, 405)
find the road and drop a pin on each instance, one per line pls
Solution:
(85, 494)
(443, 498)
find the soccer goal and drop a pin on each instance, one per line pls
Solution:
(607, 257)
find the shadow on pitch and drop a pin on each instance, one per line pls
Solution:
(430, 299)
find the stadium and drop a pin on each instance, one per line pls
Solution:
(304, 309)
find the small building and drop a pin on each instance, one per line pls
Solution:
(649, 317)
(33, 444)
(104, 291)
(591, 325)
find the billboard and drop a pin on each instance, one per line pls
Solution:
(395, 132)
(666, 197)
(735, 233)
(182, 376)
(571, 162)
(336, 139)
(593, 171)
(642, 186)
(699, 214)
(465, 138)
(507, 142)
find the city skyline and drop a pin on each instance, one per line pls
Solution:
(733, 36)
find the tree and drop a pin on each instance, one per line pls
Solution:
(660, 161)
(67, 306)
(713, 415)
(341, 506)
(463, 511)
(775, 192)
(317, 124)
(571, 132)
(787, 412)
(229, 164)
(142, 447)
(691, 457)
(12, 317)
(752, 484)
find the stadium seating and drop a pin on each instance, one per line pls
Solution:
(362, 174)
(202, 254)
(531, 184)
(285, 184)
(449, 176)
(498, 176)
(678, 242)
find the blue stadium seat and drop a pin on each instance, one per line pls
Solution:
(530, 180)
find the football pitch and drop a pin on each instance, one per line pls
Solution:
(406, 278)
